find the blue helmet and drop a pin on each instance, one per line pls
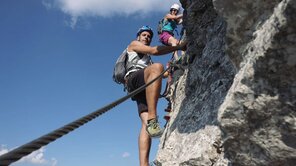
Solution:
(145, 28)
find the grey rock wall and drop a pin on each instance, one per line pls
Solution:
(258, 116)
(193, 136)
(235, 103)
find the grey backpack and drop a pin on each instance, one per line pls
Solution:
(160, 26)
(120, 68)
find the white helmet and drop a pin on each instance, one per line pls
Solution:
(175, 6)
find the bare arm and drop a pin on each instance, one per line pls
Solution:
(173, 17)
(138, 47)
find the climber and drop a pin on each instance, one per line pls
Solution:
(166, 29)
(142, 72)
(170, 22)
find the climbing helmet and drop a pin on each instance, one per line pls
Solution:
(145, 28)
(175, 6)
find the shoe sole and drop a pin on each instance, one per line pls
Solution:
(155, 136)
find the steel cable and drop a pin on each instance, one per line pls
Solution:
(24, 150)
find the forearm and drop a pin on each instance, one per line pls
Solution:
(179, 16)
(161, 50)
(156, 50)
(174, 17)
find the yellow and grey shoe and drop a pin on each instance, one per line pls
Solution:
(153, 128)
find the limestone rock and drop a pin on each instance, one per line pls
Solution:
(235, 103)
(193, 135)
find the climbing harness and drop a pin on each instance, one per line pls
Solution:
(36, 144)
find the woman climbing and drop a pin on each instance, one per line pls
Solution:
(169, 24)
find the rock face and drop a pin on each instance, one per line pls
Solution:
(235, 102)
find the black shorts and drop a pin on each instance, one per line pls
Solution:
(136, 80)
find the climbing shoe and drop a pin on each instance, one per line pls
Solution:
(168, 108)
(153, 129)
(167, 117)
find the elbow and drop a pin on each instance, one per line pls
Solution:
(155, 52)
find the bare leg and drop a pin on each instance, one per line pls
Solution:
(173, 42)
(144, 142)
(153, 90)
(182, 52)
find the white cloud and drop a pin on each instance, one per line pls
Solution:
(47, 4)
(126, 154)
(54, 162)
(3, 149)
(108, 8)
(36, 157)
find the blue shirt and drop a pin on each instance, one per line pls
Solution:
(169, 25)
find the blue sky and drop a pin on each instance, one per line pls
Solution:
(56, 63)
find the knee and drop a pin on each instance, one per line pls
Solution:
(157, 67)
(154, 69)
(174, 41)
